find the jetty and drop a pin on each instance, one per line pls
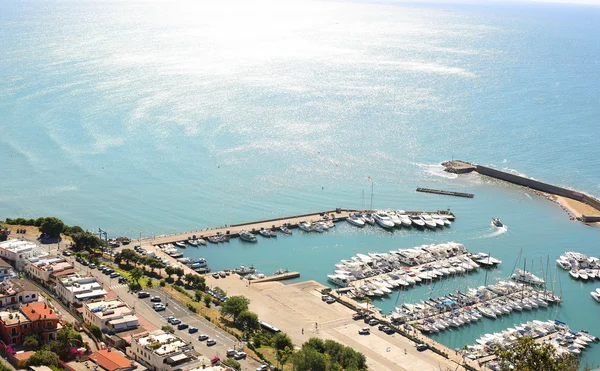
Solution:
(446, 193)
(277, 277)
(255, 227)
(586, 207)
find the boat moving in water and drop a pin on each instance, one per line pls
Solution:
(497, 223)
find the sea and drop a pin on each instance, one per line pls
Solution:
(145, 118)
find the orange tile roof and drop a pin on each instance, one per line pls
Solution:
(110, 360)
(24, 356)
(34, 310)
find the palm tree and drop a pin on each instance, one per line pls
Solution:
(368, 301)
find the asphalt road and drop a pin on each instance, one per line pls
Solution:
(143, 308)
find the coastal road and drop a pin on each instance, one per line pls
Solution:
(143, 309)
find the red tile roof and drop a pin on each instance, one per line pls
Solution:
(65, 272)
(34, 310)
(110, 360)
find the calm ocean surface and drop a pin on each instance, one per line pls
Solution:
(158, 117)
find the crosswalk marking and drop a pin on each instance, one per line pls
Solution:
(118, 286)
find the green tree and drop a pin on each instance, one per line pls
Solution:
(168, 328)
(162, 283)
(233, 306)
(169, 271)
(129, 256)
(149, 282)
(248, 321)
(38, 222)
(87, 240)
(44, 358)
(207, 300)
(283, 355)
(136, 274)
(309, 358)
(281, 341)
(198, 295)
(179, 272)
(52, 226)
(95, 330)
(189, 278)
(30, 342)
(527, 355)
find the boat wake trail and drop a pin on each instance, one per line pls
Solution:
(437, 170)
(493, 232)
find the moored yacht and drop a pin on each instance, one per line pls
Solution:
(383, 220)
(527, 277)
(356, 220)
(247, 236)
(180, 244)
(417, 221)
(428, 220)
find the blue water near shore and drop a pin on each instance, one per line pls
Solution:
(160, 117)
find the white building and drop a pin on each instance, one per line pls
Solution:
(18, 252)
(42, 268)
(110, 316)
(76, 289)
(161, 351)
(14, 292)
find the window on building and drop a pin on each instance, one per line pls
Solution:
(14, 340)
(25, 326)
(48, 324)
(13, 332)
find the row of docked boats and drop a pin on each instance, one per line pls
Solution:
(553, 332)
(579, 265)
(378, 274)
(318, 226)
(390, 219)
(265, 232)
(458, 308)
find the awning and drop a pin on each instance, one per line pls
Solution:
(177, 358)
(92, 294)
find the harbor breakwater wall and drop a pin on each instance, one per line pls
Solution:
(451, 166)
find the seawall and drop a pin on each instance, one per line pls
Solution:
(451, 166)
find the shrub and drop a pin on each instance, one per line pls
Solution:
(232, 363)
(95, 330)
(163, 283)
(191, 307)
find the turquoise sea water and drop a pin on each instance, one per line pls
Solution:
(157, 117)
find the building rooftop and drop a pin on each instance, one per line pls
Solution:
(109, 309)
(35, 311)
(51, 264)
(10, 318)
(13, 286)
(17, 245)
(162, 344)
(111, 360)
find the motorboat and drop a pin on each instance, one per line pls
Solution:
(527, 277)
(583, 274)
(564, 264)
(574, 273)
(438, 220)
(355, 220)
(497, 223)
(285, 230)
(339, 280)
(417, 221)
(595, 295)
(247, 236)
(180, 244)
(368, 218)
(383, 220)
(213, 239)
(265, 233)
(243, 270)
(395, 218)
(199, 263)
(305, 226)
(428, 220)
(404, 219)
(193, 243)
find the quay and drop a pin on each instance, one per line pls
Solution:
(291, 222)
(447, 193)
(585, 207)
(278, 277)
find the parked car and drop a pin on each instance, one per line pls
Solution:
(262, 368)
(143, 294)
(115, 275)
(324, 297)
(202, 337)
(388, 330)
(230, 352)
(182, 326)
(373, 322)
(122, 280)
(193, 330)
(240, 355)
(367, 319)
(422, 347)
(364, 331)
(330, 300)
(84, 262)
(66, 253)
(158, 307)
(108, 271)
(156, 299)
(173, 320)
(211, 342)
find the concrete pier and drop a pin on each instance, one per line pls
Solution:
(446, 193)
(277, 277)
(581, 201)
(289, 221)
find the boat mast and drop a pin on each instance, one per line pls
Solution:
(371, 195)
(363, 200)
